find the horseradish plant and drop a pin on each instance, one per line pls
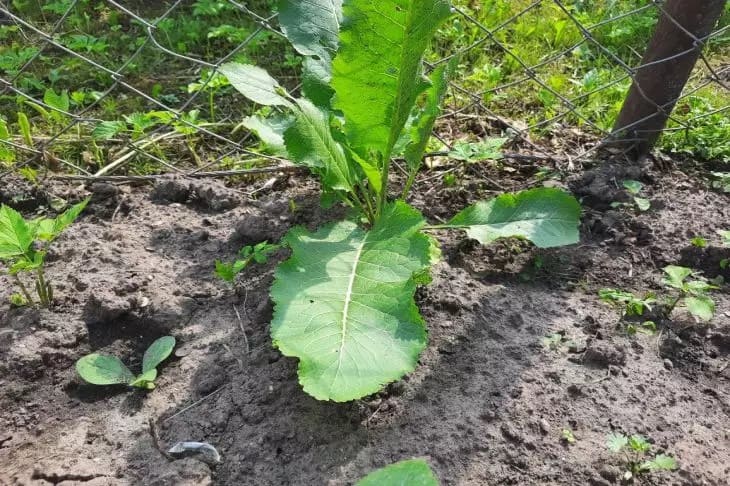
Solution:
(344, 301)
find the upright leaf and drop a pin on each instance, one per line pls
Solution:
(103, 370)
(344, 304)
(16, 236)
(415, 472)
(255, 84)
(377, 70)
(309, 142)
(158, 352)
(547, 217)
(420, 131)
(313, 27)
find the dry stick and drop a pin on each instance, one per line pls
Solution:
(134, 151)
(194, 404)
(196, 175)
(240, 325)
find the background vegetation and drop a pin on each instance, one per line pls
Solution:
(527, 36)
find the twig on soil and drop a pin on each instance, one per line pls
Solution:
(240, 323)
(195, 404)
(156, 440)
(197, 175)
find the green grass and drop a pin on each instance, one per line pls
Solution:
(546, 39)
(542, 37)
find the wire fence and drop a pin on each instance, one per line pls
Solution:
(104, 89)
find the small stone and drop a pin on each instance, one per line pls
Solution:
(668, 364)
(576, 347)
(544, 426)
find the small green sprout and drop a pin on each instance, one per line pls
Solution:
(257, 253)
(98, 369)
(636, 451)
(553, 341)
(568, 436)
(634, 189)
(693, 294)
(699, 242)
(633, 305)
(489, 149)
(23, 247)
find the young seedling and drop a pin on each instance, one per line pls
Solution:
(413, 472)
(698, 242)
(638, 461)
(692, 294)
(344, 301)
(257, 253)
(567, 436)
(98, 369)
(634, 189)
(489, 149)
(631, 306)
(23, 248)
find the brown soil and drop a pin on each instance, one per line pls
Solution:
(487, 404)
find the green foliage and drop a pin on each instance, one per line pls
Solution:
(693, 294)
(414, 472)
(699, 242)
(257, 253)
(634, 189)
(489, 149)
(344, 300)
(98, 369)
(638, 461)
(352, 321)
(24, 244)
(633, 305)
(545, 216)
(568, 436)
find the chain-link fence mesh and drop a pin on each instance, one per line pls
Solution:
(98, 88)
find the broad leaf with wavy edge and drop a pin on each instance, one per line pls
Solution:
(344, 303)
(377, 70)
(547, 217)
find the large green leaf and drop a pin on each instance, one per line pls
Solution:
(158, 352)
(415, 472)
(547, 217)
(344, 303)
(255, 84)
(309, 142)
(16, 236)
(312, 26)
(377, 71)
(98, 369)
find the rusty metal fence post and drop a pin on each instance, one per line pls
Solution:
(665, 69)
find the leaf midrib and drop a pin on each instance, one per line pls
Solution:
(348, 299)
